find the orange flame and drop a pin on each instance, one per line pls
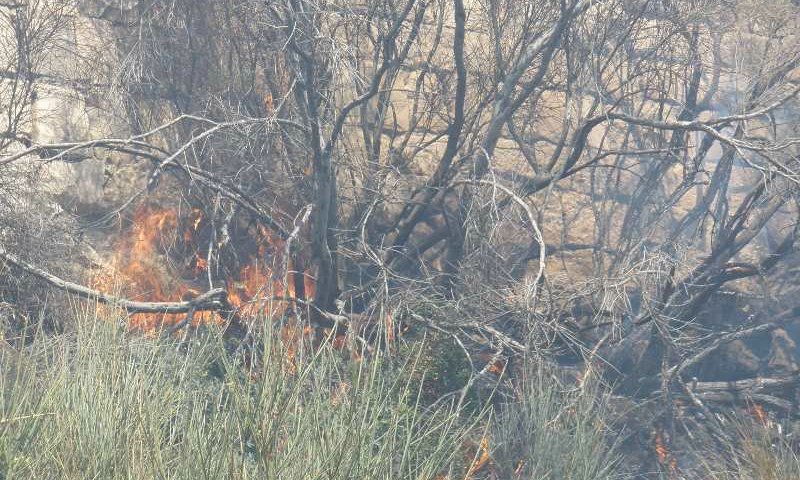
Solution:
(760, 414)
(661, 449)
(662, 453)
(482, 460)
(520, 465)
(144, 266)
(389, 328)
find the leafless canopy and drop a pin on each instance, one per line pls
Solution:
(596, 176)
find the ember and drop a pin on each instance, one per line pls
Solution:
(481, 460)
(663, 454)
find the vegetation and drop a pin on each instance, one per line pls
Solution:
(399, 239)
(101, 403)
(551, 431)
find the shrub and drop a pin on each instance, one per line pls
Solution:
(551, 432)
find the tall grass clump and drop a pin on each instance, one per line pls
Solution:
(553, 432)
(751, 451)
(101, 402)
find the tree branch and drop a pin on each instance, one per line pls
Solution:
(213, 300)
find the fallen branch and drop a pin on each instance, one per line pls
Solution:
(718, 342)
(750, 389)
(750, 385)
(213, 300)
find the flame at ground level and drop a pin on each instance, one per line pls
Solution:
(164, 256)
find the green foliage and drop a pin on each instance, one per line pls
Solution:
(550, 432)
(441, 367)
(101, 403)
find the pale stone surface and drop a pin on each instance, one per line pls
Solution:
(71, 103)
(110, 10)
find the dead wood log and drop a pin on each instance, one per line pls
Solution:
(749, 385)
(758, 389)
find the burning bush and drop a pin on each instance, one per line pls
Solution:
(163, 254)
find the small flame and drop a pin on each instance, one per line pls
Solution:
(200, 264)
(661, 449)
(482, 459)
(494, 364)
(389, 328)
(760, 414)
(662, 453)
(497, 367)
(520, 466)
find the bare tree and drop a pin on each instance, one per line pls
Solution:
(483, 169)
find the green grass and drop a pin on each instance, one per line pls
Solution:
(102, 403)
(553, 432)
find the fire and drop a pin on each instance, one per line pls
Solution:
(663, 455)
(661, 449)
(294, 338)
(163, 256)
(389, 324)
(200, 264)
(760, 414)
(137, 267)
(482, 459)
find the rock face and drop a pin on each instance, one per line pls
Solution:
(81, 185)
(109, 10)
(70, 103)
